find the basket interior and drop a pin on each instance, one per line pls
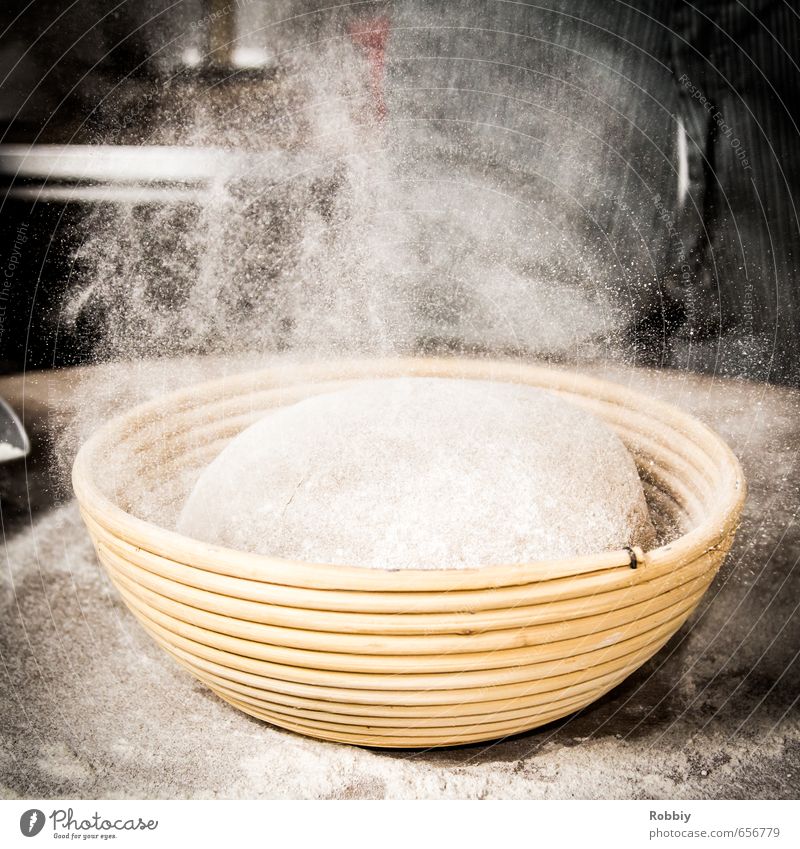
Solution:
(150, 467)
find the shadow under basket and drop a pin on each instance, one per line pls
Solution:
(408, 658)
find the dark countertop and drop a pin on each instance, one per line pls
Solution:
(91, 708)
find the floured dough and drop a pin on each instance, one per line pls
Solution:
(424, 473)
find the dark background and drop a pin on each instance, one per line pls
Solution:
(569, 105)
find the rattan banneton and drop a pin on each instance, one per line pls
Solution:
(405, 658)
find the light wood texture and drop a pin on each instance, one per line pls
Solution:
(411, 657)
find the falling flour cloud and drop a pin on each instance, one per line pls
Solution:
(460, 215)
(476, 211)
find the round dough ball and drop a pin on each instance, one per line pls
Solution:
(422, 473)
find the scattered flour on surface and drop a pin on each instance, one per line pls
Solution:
(422, 473)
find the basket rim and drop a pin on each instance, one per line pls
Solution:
(170, 544)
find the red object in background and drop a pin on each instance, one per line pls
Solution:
(371, 34)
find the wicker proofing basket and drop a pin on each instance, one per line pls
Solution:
(403, 658)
